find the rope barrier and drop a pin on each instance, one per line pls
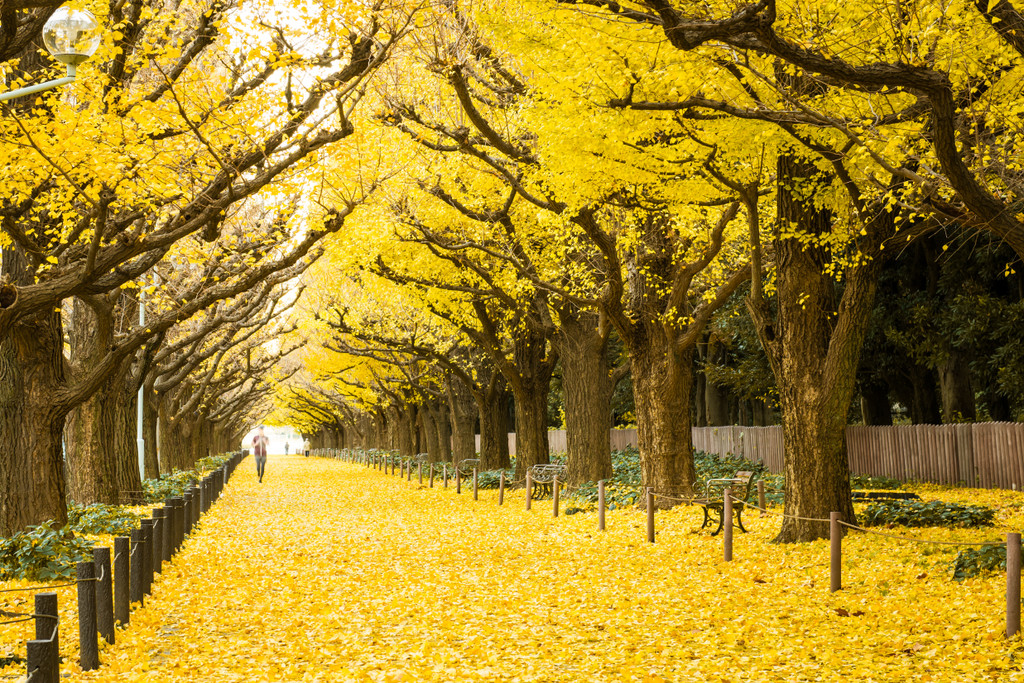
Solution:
(778, 514)
(23, 617)
(30, 589)
(920, 540)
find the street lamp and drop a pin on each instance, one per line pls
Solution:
(71, 36)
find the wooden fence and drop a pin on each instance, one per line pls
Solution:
(985, 454)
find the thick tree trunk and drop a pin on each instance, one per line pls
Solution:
(444, 431)
(700, 400)
(662, 385)
(32, 484)
(430, 438)
(534, 366)
(875, 406)
(956, 389)
(462, 412)
(149, 431)
(816, 358)
(588, 391)
(494, 428)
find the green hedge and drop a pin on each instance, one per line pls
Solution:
(915, 513)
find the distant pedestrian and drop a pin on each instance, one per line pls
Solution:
(259, 449)
(286, 448)
(305, 447)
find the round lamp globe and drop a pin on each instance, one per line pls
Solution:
(71, 35)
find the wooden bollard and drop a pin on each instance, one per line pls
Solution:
(600, 505)
(159, 525)
(179, 522)
(419, 473)
(431, 475)
(122, 609)
(408, 471)
(88, 644)
(501, 488)
(727, 522)
(554, 496)
(475, 496)
(835, 533)
(135, 581)
(147, 556)
(445, 471)
(458, 480)
(650, 514)
(760, 497)
(104, 594)
(1012, 584)
(167, 538)
(196, 509)
(187, 513)
(44, 651)
(529, 490)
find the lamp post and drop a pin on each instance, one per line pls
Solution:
(72, 37)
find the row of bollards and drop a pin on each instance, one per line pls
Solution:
(107, 587)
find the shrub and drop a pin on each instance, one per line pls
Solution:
(42, 553)
(174, 484)
(977, 561)
(116, 520)
(863, 481)
(915, 513)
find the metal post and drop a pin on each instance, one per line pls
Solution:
(600, 505)
(836, 552)
(1012, 584)
(501, 488)
(650, 514)
(727, 522)
(554, 496)
(140, 412)
(760, 497)
(529, 489)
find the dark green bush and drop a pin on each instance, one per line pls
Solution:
(98, 518)
(977, 561)
(915, 513)
(174, 484)
(863, 481)
(42, 554)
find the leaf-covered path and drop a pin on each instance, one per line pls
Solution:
(330, 572)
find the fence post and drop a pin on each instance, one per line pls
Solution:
(444, 467)
(159, 529)
(196, 509)
(135, 581)
(419, 472)
(529, 489)
(760, 497)
(650, 514)
(44, 650)
(122, 611)
(458, 480)
(554, 496)
(727, 521)
(186, 513)
(475, 496)
(104, 594)
(1012, 584)
(89, 653)
(408, 472)
(431, 475)
(835, 533)
(600, 505)
(168, 536)
(501, 488)
(147, 556)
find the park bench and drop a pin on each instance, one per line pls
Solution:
(544, 475)
(713, 504)
(875, 495)
(465, 467)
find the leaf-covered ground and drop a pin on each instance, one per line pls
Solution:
(332, 572)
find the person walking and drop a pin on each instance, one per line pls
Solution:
(259, 449)
(305, 447)
(286, 448)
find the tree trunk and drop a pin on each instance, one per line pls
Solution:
(875, 407)
(444, 431)
(662, 385)
(956, 389)
(588, 391)
(534, 366)
(430, 438)
(149, 431)
(816, 357)
(494, 428)
(462, 411)
(32, 484)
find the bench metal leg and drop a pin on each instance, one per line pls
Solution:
(706, 518)
(739, 519)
